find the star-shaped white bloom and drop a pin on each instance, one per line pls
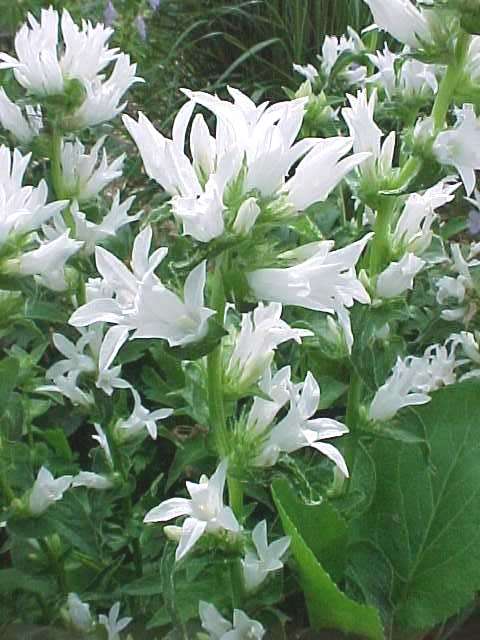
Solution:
(79, 613)
(205, 511)
(113, 624)
(460, 146)
(23, 127)
(277, 387)
(46, 490)
(219, 628)
(83, 176)
(141, 418)
(332, 49)
(138, 300)
(309, 72)
(108, 377)
(298, 429)
(67, 386)
(413, 230)
(324, 281)
(261, 332)
(402, 20)
(22, 208)
(267, 558)
(411, 381)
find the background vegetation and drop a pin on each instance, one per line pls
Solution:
(206, 44)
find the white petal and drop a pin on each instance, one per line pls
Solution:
(169, 509)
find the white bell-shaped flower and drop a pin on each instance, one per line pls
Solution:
(261, 332)
(79, 613)
(23, 127)
(83, 175)
(91, 480)
(266, 558)
(219, 628)
(298, 429)
(113, 624)
(411, 381)
(324, 281)
(398, 276)
(205, 511)
(139, 301)
(402, 20)
(141, 418)
(47, 263)
(460, 146)
(47, 490)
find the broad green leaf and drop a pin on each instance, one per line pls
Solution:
(328, 606)
(426, 517)
(145, 586)
(192, 452)
(14, 579)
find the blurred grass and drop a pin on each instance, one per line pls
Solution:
(207, 44)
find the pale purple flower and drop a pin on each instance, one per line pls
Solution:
(141, 27)
(110, 14)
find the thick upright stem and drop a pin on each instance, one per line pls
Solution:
(216, 407)
(449, 83)
(380, 246)
(56, 164)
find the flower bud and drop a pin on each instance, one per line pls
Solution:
(246, 216)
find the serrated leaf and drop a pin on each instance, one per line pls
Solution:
(426, 518)
(328, 606)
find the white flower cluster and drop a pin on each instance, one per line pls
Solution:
(46, 65)
(412, 379)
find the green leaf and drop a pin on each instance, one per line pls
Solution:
(317, 533)
(145, 586)
(193, 451)
(16, 580)
(8, 379)
(426, 518)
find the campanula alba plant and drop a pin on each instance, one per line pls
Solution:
(248, 406)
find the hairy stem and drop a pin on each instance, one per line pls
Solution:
(449, 83)
(216, 407)
(56, 164)
(380, 245)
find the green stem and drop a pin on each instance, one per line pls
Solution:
(351, 418)
(236, 582)
(235, 494)
(216, 407)
(56, 564)
(449, 83)
(215, 385)
(380, 246)
(56, 163)
(5, 487)
(409, 171)
(126, 501)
